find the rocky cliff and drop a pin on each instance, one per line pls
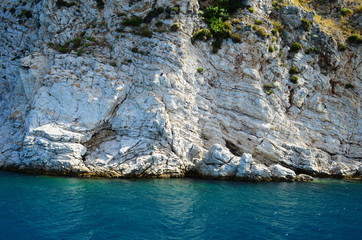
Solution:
(255, 90)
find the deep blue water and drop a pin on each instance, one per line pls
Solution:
(41, 207)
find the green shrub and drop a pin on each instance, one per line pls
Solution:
(214, 13)
(235, 21)
(268, 88)
(230, 5)
(200, 70)
(100, 4)
(77, 42)
(91, 39)
(261, 32)
(270, 91)
(258, 22)
(63, 48)
(294, 79)
(103, 24)
(145, 32)
(296, 47)
(294, 70)
(176, 9)
(152, 14)
(359, 9)
(79, 52)
(62, 3)
(135, 50)
(159, 24)
(311, 50)
(348, 86)
(26, 13)
(133, 21)
(203, 34)
(175, 27)
(220, 29)
(306, 24)
(271, 49)
(278, 26)
(342, 46)
(236, 38)
(216, 45)
(346, 12)
(251, 9)
(121, 14)
(355, 38)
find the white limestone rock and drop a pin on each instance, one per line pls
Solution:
(279, 172)
(110, 111)
(218, 162)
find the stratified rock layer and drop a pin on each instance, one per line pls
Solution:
(127, 105)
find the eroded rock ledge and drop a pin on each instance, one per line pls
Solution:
(86, 93)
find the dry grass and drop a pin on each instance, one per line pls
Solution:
(338, 28)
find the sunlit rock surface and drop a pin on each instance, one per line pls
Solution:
(125, 105)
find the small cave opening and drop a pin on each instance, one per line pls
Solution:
(233, 148)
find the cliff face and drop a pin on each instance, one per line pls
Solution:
(89, 90)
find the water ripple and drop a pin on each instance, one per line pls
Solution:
(36, 207)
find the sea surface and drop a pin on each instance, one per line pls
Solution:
(43, 207)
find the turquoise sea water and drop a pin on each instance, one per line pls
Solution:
(41, 207)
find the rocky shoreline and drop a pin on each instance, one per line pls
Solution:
(120, 88)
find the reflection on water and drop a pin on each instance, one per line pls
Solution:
(37, 207)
